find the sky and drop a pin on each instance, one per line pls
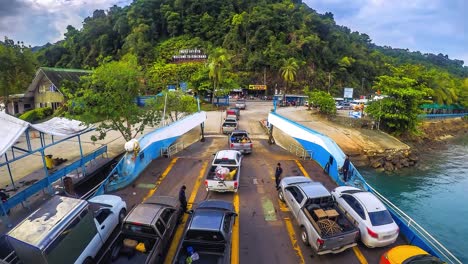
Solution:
(428, 26)
(435, 26)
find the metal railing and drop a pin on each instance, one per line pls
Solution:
(442, 116)
(419, 230)
(300, 152)
(172, 149)
(47, 182)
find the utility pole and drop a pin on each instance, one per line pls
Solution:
(264, 79)
(362, 84)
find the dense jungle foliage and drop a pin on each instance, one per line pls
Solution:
(259, 34)
(282, 43)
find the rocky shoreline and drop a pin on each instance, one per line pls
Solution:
(436, 135)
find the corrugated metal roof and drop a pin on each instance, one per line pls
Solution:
(58, 75)
(36, 229)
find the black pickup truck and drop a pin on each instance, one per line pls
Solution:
(207, 237)
(146, 232)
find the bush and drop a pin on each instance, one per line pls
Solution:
(37, 114)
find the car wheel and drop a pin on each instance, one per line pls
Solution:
(280, 195)
(122, 215)
(304, 236)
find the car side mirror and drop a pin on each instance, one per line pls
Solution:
(232, 214)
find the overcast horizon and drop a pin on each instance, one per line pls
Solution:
(428, 26)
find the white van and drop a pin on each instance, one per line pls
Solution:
(67, 230)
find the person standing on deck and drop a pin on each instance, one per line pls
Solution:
(346, 168)
(278, 173)
(183, 198)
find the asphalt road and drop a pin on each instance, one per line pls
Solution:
(266, 230)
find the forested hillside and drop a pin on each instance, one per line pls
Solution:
(260, 35)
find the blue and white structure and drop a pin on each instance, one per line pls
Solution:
(322, 149)
(148, 148)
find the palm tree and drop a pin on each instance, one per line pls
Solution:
(218, 64)
(288, 72)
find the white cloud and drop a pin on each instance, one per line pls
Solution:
(435, 26)
(42, 21)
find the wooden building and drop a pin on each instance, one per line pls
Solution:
(44, 91)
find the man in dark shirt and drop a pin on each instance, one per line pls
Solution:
(346, 168)
(278, 173)
(183, 198)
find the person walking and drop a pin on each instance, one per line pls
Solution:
(346, 168)
(183, 198)
(278, 173)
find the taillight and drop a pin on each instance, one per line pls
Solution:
(320, 242)
(372, 233)
(236, 184)
(206, 183)
(232, 145)
(251, 145)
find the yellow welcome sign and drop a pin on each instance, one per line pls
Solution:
(257, 87)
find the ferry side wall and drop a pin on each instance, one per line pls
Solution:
(321, 156)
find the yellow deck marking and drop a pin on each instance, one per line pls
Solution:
(292, 237)
(359, 255)
(163, 175)
(180, 229)
(283, 206)
(235, 232)
(304, 172)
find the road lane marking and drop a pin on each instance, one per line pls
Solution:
(304, 172)
(161, 178)
(359, 255)
(180, 228)
(235, 232)
(283, 206)
(292, 238)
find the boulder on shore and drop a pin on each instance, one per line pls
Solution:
(389, 166)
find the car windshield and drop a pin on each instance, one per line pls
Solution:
(380, 218)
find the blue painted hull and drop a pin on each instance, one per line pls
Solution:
(321, 156)
(320, 148)
(130, 167)
(132, 164)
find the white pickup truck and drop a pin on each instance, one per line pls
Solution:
(324, 226)
(67, 230)
(224, 173)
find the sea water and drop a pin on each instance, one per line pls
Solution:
(434, 193)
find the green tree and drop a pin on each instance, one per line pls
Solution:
(398, 113)
(463, 99)
(17, 65)
(324, 101)
(219, 65)
(174, 104)
(288, 72)
(108, 95)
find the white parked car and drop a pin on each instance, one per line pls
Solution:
(375, 223)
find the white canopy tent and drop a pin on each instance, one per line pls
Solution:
(11, 128)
